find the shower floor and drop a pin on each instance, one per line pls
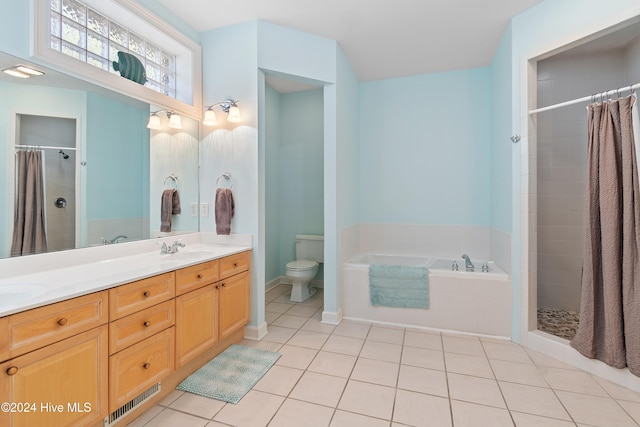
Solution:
(561, 323)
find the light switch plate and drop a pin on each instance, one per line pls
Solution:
(194, 209)
(204, 209)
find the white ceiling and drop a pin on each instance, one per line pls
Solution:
(381, 39)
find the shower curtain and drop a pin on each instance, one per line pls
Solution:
(29, 236)
(609, 310)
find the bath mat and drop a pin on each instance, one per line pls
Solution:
(231, 374)
(398, 286)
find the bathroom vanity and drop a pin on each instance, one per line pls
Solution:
(114, 351)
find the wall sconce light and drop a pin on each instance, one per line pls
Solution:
(22, 71)
(175, 122)
(229, 106)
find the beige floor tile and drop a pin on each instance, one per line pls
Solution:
(477, 366)
(483, 391)
(145, 417)
(376, 372)
(284, 298)
(506, 351)
(423, 380)
(343, 345)
(423, 340)
(529, 420)
(277, 307)
(368, 399)
(279, 334)
(264, 345)
(349, 419)
(197, 405)
(632, 408)
(533, 400)
(417, 409)
(381, 351)
(543, 360)
(520, 373)
(292, 412)
(388, 335)
(319, 388)
(296, 357)
(270, 316)
(595, 410)
(617, 391)
(170, 418)
(289, 321)
(302, 310)
(308, 339)
(316, 301)
(471, 415)
(278, 380)
(462, 345)
(423, 358)
(570, 380)
(352, 329)
(315, 325)
(255, 409)
(339, 365)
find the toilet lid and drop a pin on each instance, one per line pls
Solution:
(301, 264)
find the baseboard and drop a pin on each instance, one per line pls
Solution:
(332, 318)
(255, 333)
(282, 280)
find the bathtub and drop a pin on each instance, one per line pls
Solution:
(472, 302)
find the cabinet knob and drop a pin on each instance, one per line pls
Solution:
(235, 265)
(146, 293)
(217, 286)
(62, 321)
(199, 276)
(12, 370)
(146, 324)
(223, 284)
(147, 365)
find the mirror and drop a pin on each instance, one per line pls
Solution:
(104, 171)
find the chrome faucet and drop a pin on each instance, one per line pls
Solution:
(114, 240)
(467, 263)
(164, 249)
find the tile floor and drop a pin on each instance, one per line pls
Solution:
(358, 374)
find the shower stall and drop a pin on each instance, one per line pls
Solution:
(55, 138)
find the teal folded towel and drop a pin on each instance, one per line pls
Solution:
(399, 286)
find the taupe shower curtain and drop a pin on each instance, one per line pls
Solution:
(29, 235)
(609, 312)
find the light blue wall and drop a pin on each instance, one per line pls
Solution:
(272, 183)
(294, 170)
(425, 149)
(119, 148)
(15, 24)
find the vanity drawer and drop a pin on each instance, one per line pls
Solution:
(235, 264)
(131, 329)
(41, 326)
(196, 276)
(136, 296)
(136, 368)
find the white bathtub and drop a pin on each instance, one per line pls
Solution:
(475, 302)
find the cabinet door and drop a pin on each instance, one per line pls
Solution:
(63, 384)
(196, 322)
(234, 303)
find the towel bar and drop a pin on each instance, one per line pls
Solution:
(172, 177)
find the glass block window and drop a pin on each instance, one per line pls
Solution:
(82, 33)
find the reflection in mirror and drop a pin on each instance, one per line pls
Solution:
(103, 172)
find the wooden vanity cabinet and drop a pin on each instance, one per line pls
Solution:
(197, 322)
(64, 381)
(234, 303)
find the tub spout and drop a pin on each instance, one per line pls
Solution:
(467, 263)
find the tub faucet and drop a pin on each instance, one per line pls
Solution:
(467, 262)
(114, 240)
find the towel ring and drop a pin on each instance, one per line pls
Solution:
(173, 178)
(227, 177)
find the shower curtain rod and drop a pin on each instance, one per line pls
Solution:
(46, 146)
(586, 98)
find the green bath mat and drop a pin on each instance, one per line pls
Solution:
(231, 374)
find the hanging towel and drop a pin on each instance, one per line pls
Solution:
(224, 210)
(399, 286)
(169, 205)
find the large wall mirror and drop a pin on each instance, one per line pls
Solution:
(104, 172)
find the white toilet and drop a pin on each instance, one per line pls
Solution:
(309, 253)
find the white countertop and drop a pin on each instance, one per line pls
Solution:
(98, 269)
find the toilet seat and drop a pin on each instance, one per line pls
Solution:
(301, 265)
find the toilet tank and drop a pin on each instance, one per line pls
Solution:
(310, 247)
